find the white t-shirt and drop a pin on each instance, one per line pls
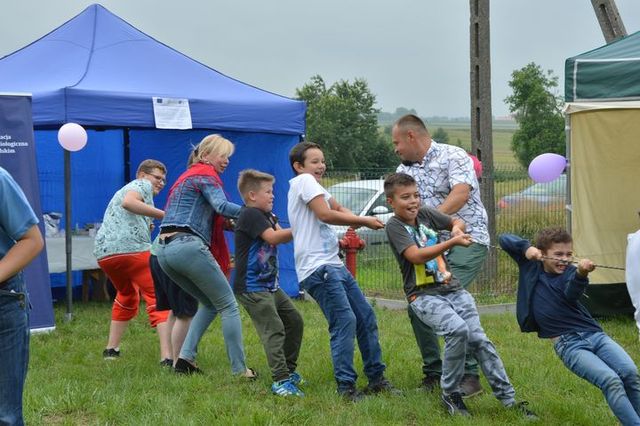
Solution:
(314, 242)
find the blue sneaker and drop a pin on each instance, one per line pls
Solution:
(296, 379)
(285, 388)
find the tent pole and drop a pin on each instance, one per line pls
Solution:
(67, 230)
(567, 132)
(127, 156)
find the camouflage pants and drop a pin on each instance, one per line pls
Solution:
(455, 317)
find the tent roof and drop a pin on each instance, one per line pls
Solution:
(97, 69)
(610, 72)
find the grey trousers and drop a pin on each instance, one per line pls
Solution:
(455, 317)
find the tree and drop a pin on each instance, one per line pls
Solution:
(342, 119)
(440, 135)
(538, 113)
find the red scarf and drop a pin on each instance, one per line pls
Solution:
(218, 245)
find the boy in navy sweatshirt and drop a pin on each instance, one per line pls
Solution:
(548, 291)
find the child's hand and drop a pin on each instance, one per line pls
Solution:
(585, 266)
(229, 224)
(373, 222)
(455, 231)
(462, 240)
(533, 253)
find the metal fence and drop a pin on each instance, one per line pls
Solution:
(522, 208)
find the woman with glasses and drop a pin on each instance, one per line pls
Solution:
(122, 249)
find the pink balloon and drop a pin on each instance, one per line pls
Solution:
(547, 167)
(72, 137)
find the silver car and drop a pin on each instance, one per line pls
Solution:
(363, 198)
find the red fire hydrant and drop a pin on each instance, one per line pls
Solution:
(351, 243)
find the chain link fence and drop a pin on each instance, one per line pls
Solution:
(521, 207)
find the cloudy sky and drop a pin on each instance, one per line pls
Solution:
(413, 53)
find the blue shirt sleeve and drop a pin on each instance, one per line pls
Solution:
(215, 196)
(515, 247)
(576, 286)
(16, 215)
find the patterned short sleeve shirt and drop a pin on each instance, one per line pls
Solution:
(122, 231)
(443, 167)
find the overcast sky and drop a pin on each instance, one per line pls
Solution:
(413, 53)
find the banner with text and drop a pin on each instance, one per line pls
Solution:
(18, 157)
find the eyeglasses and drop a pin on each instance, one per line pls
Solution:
(158, 178)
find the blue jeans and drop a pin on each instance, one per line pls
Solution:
(189, 263)
(595, 357)
(349, 315)
(14, 349)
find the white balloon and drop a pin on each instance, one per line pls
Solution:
(72, 137)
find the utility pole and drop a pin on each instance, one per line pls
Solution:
(609, 19)
(481, 116)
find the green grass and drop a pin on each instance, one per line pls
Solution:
(502, 154)
(70, 384)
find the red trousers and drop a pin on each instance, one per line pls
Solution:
(131, 275)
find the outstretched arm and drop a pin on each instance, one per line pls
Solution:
(277, 236)
(418, 255)
(134, 203)
(516, 247)
(337, 217)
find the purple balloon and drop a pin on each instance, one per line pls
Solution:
(547, 167)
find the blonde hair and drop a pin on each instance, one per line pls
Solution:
(250, 180)
(213, 144)
(147, 166)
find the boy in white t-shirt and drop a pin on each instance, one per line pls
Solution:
(323, 275)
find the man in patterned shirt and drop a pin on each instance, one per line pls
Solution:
(447, 182)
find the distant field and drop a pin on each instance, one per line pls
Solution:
(502, 133)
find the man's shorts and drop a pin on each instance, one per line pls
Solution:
(169, 295)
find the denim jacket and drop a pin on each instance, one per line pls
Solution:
(529, 271)
(194, 204)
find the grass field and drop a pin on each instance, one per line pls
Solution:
(70, 384)
(502, 154)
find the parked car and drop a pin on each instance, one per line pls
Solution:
(363, 198)
(548, 195)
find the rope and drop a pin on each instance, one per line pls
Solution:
(617, 268)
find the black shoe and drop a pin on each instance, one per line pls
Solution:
(454, 404)
(167, 362)
(185, 367)
(351, 394)
(382, 385)
(430, 382)
(110, 353)
(522, 408)
(470, 386)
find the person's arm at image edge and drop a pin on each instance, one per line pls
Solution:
(22, 253)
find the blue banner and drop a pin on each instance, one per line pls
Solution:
(18, 157)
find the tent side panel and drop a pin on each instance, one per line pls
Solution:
(605, 196)
(97, 173)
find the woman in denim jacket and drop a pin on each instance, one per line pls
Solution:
(194, 255)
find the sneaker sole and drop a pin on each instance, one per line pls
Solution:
(471, 395)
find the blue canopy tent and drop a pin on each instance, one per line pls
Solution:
(101, 72)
